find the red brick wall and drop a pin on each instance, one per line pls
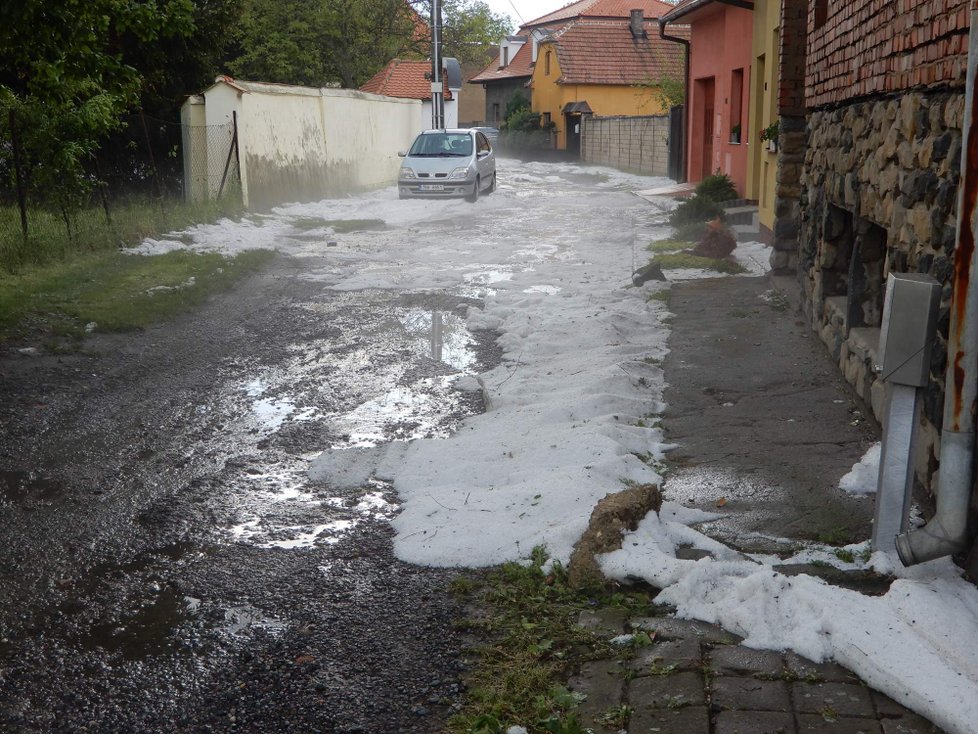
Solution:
(868, 47)
(794, 28)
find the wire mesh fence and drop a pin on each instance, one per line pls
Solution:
(146, 159)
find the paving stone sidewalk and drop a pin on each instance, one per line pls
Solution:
(696, 679)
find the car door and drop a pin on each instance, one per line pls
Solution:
(485, 158)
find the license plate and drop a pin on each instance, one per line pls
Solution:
(432, 187)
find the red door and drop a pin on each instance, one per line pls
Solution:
(708, 118)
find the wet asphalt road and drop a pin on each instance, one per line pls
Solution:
(167, 565)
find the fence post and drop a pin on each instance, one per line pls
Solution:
(101, 190)
(152, 161)
(19, 175)
(232, 150)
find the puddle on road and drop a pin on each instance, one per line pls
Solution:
(147, 633)
(21, 486)
(271, 413)
(443, 336)
(403, 414)
(477, 283)
(386, 374)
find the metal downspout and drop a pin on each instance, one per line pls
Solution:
(686, 136)
(946, 533)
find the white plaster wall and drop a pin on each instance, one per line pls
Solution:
(193, 117)
(283, 147)
(364, 133)
(303, 144)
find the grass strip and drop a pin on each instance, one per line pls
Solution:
(527, 622)
(114, 291)
(675, 261)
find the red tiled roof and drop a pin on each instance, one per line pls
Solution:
(521, 65)
(604, 52)
(686, 7)
(602, 9)
(404, 79)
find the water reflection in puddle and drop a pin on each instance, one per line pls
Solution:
(271, 413)
(442, 335)
(403, 414)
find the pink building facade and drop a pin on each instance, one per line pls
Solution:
(718, 96)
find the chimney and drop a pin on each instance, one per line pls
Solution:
(637, 18)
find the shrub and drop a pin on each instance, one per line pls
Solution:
(692, 232)
(718, 187)
(694, 210)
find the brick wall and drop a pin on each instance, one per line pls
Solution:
(634, 144)
(791, 76)
(868, 47)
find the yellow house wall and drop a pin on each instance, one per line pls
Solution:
(763, 164)
(604, 99)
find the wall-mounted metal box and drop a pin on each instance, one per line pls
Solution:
(909, 324)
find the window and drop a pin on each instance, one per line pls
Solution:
(495, 111)
(546, 63)
(505, 56)
(545, 119)
(736, 105)
(821, 13)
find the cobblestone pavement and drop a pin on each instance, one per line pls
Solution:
(695, 679)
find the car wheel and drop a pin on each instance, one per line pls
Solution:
(492, 184)
(474, 196)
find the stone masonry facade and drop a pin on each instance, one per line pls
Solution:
(884, 83)
(635, 144)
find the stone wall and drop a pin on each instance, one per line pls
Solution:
(635, 144)
(879, 195)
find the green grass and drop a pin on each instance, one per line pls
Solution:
(667, 246)
(132, 221)
(674, 261)
(115, 291)
(532, 643)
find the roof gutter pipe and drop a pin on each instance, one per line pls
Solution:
(947, 532)
(685, 43)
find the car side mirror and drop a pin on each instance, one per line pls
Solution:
(482, 154)
(402, 153)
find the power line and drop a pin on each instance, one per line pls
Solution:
(522, 22)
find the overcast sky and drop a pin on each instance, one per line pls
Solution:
(523, 10)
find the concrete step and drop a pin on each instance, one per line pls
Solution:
(743, 214)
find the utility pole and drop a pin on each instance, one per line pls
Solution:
(437, 84)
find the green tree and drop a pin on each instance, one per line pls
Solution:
(322, 42)
(470, 26)
(65, 78)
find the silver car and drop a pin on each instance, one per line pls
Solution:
(443, 163)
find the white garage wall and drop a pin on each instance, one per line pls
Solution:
(302, 144)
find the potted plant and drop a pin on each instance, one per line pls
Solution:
(770, 134)
(735, 134)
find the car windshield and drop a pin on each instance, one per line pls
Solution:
(442, 144)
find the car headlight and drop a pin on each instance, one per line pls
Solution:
(407, 172)
(459, 172)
